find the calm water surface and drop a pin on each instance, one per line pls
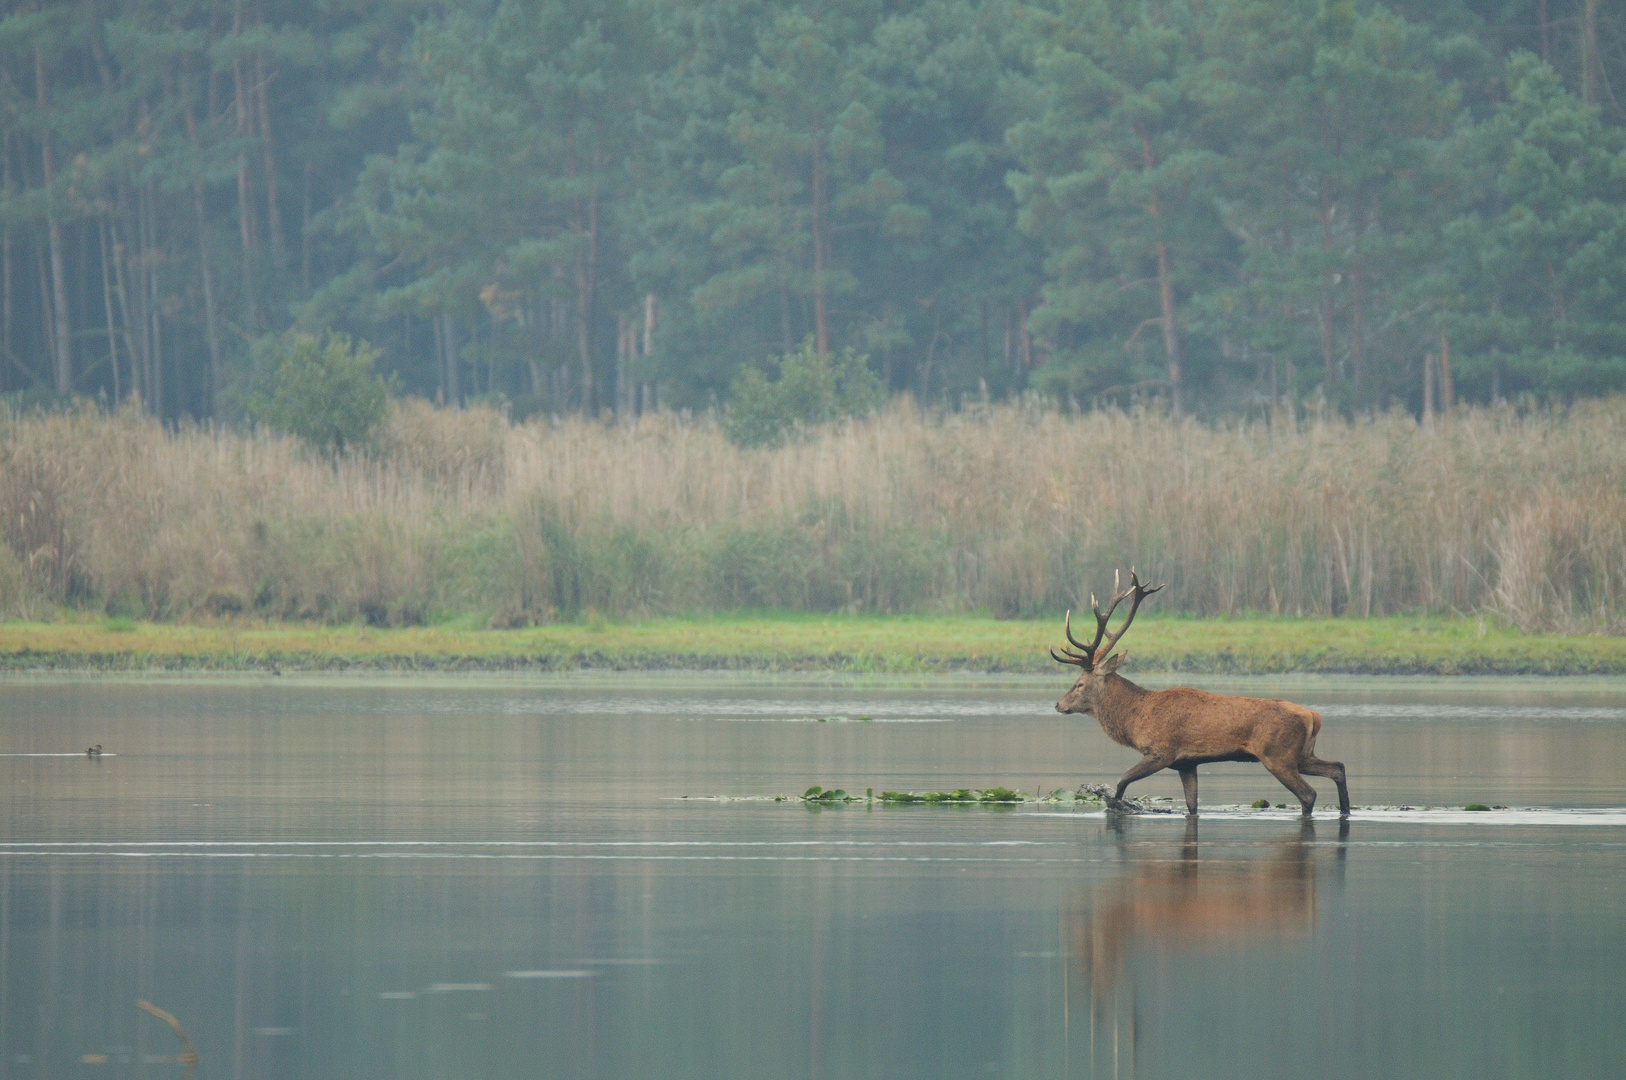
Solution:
(495, 878)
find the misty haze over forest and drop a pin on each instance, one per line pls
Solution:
(610, 204)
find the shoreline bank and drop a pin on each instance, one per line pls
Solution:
(801, 643)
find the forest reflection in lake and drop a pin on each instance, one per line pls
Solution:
(414, 878)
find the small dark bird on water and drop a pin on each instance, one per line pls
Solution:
(94, 751)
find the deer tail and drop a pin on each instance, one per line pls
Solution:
(1315, 729)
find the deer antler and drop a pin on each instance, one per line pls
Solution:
(1136, 590)
(1084, 660)
(1085, 657)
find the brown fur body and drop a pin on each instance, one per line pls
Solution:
(1183, 728)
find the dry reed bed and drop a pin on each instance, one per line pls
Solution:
(1017, 509)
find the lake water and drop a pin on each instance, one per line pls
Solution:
(490, 877)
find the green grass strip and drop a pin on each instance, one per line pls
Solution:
(773, 642)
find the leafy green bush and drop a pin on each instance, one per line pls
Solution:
(321, 389)
(810, 390)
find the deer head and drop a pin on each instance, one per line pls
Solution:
(1086, 692)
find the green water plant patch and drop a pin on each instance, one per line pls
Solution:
(817, 794)
(968, 796)
(990, 796)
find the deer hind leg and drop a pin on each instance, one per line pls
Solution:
(1332, 770)
(1143, 768)
(1188, 780)
(1290, 778)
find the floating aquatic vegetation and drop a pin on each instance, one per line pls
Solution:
(1476, 806)
(991, 796)
(1260, 804)
(817, 794)
(1003, 795)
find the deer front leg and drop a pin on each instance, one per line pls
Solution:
(1143, 768)
(1188, 780)
(1290, 778)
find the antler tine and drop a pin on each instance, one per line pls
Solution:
(1100, 619)
(1088, 651)
(1136, 590)
(1067, 628)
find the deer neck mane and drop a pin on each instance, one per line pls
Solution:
(1118, 699)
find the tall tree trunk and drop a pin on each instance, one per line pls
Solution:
(987, 355)
(210, 330)
(531, 317)
(1357, 335)
(931, 353)
(586, 225)
(305, 234)
(6, 286)
(1328, 360)
(625, 343)
(1448, 392)
(821, 325)
(106, 73)
(107, 302)
(1024, 338)
(1589, 52)
(1428, 389)
(121, 290)
(273, 213)
(154, 305)
(1165, 287)
(646, 389)
(248, 227)
(47, 324)
(62, 338)
(784, 317)
(438, 325)
(454, 361)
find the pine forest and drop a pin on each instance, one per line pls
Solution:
(596, 206)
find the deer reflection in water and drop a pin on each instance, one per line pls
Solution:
(1185, 904)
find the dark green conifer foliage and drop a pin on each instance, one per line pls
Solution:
(1117, 182)
(600, 205)
(1539, 257)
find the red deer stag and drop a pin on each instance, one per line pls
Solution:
(1183, 728)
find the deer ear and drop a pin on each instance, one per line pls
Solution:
(1111, 664)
